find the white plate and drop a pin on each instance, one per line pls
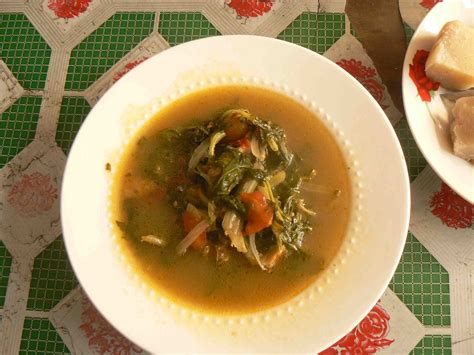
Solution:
(344, 293)
(435, 143)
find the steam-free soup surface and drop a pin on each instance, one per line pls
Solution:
(143, 206)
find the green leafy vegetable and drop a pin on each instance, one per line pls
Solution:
(275, 137)
(294, 225)
(235, 153)
(234, 164)
(231, 202)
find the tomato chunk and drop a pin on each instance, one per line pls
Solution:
(259, 212)
(191, 218)
(243, 144)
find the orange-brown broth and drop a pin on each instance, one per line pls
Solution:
(237, 287)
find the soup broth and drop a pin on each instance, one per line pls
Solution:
(235, 286)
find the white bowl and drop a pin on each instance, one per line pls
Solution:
(435, 143)
(339, 298)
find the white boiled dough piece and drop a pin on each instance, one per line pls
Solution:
(451, 60)
(462, 128)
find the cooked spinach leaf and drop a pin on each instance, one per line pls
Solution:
(223, 160)
(234, 164)
(275, 138)
(294, 224)
(231, 202)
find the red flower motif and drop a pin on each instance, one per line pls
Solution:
(68, 8)
(128, 67)
(365, 338)
(32, 195)
(428, 4)
(375, 325)
(375, 88)
(452, 209)
(356, 68)
(250, 8)
(102, 337)
(366, 76)
(417, 73)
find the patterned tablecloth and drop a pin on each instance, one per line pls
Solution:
(57, 57)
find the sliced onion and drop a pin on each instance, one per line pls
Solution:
(239, 112)
(272, 144)
(249, 186)
(153, 240)
(198, 154)
(263, 191)
(211, 211)
(256, 254)
(277, 178)
(232, 225)
(259, 151)
(192, 236)
(268, 187)
(215, 138)
(304, 209)
(319, 189)
(285, 152)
